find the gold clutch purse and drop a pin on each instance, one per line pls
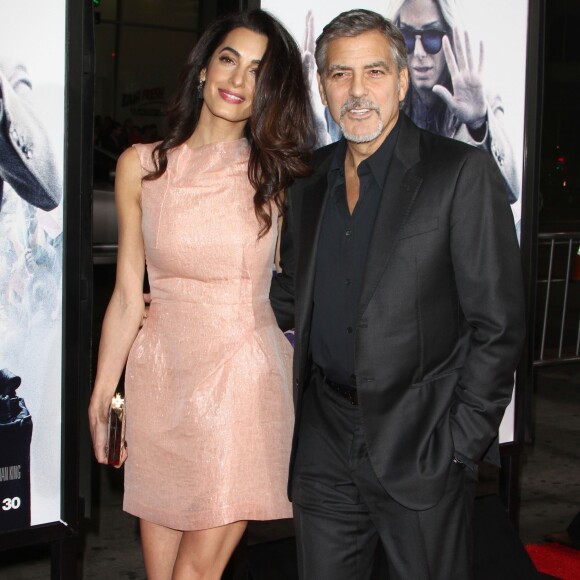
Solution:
(116, 441)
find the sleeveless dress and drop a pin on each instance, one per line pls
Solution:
(208, 380)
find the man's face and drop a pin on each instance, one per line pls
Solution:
(421, 23)
(362, 87)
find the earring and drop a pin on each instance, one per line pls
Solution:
(200, 89)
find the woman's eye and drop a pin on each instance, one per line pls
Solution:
(226, 59)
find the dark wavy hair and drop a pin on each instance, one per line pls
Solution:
(280, 130)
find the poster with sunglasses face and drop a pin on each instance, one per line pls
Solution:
(467, 62)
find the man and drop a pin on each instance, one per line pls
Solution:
(401, 276)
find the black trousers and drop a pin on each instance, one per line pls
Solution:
(341, 509)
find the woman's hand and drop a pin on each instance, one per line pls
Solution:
(467, 102)
(99, 426)
(309, 68)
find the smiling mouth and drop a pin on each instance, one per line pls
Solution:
(230, 97)
(359, 111)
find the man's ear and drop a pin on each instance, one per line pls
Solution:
(321, 90)
(403, 83)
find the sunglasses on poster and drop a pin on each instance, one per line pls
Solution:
(431, 39)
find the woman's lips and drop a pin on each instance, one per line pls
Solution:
(230, 97)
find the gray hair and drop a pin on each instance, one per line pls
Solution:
(355, 22)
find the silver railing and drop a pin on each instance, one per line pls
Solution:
(557, 311)
(557, 337)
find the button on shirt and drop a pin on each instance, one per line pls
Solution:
(341, 256)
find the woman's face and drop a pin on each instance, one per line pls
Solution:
(423, 26)
(230, 77)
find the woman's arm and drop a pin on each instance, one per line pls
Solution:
(126, 307)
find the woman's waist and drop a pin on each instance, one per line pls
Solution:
(257, 312)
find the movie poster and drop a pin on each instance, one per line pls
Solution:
(32, 129)
(487, 68)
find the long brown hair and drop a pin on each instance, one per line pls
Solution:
(280, 130)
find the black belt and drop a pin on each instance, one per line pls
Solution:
(346, 391)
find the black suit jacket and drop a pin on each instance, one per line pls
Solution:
(441, 313)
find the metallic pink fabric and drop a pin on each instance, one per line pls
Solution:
(208, 381)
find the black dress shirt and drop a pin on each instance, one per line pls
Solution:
(341, 258)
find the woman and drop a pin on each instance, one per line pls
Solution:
(208, 378)
(446, 94)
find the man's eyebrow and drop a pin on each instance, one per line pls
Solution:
(335, 67)
(376, 64)
(230, 49)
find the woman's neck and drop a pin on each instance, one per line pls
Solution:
(212, 129)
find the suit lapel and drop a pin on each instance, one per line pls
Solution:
(313, 200)
(397, 198)
(311, 212)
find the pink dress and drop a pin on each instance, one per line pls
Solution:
(208, 380)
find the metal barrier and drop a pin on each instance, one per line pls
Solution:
(558, 299)
(557, 324)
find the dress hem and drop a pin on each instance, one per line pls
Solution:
(219, 518)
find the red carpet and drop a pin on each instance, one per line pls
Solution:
(556, 560)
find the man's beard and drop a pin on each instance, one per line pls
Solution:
(360, 104)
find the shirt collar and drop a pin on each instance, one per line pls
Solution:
(337, 161)
(378, 163)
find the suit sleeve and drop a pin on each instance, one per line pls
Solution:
(27, 160)
(487, 266)
(282, 288)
